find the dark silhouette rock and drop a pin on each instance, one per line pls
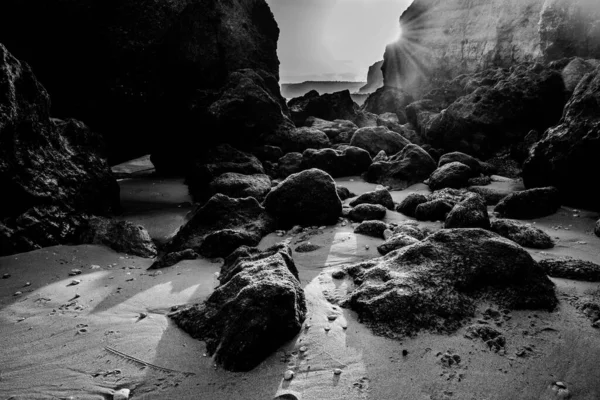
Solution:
(343, 192)
(462, 158)
(454, 175)
(236, 185)
(381, 156)
(375, 139)
(388, 99)
(367, 212)
(597, 228)
(524, 235)
(372, 228)
(222, 225)
(412, 229)
(306, 198)
(434, 284)
(566, 153)
(531, 203)
(409, 166)
(328, 106)
(300, 139)
(578, 270)
(491, 195)
(574, 72)
(258, 306)
(173, 258)
(374, 78)
(398, 241)
(469, 213)
(122, 236)
(289, 164)
(381, 197)
(338, 131)
(409, 205)
(52, 172)
(433, 210)
(268, 153)
(346, 162)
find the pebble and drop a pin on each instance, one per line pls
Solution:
(404, 352)
(337, 371)
(367, 246)
(332, 317)
(303, 349)
(387, 234)
(18, 293)
(27, 284)
(94, 266)
(5, 276)
(327, 328)
(75, 272)
(143, 315)
(122, 394)
(288, 375)
(74, 282)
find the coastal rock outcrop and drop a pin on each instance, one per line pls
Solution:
(122, 236)
(409, 166)
(376, 139)
(345, 162)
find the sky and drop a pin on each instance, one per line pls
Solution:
(334, 39)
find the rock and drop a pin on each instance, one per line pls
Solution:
(409, 166)
(492, 337)
(267, 153)
(371, 228)
(491, 195)
(344, 193)
(131, 69)
(237, 185)
(433, 210)
(289, 164)
(258, 307)
(597, 228)
(375, 139)
(300, 139)
(381, 156)
(524, 235)
(431, 284)
(338, 131)
(462, 158)
(409, 205)
(121, 394)
(412, 229)
(54, 170)
(222, 225)
(122, 236)
(574, 72)
(374, 78)
(578, 270)
(173, 258)
(396, 242)
(388, 99)
(520, 151)
(454, 175)
(215, 162)
(469, 213)
(329, 106)
(337, 163)
(365, 212)
(288, 375)
(531, 203)
(566, 153)
(307, 247)
(306, 198)
(381, 197)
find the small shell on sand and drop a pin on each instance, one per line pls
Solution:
(288, 375)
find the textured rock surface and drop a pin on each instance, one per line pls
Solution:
(300, 139)
(237, 185)
(289, 164)
(328, 106)
(122, 236)
(50, 170)
(531, 203)
(387, 99)
(306, 198)
(567, 153)
(376, 139)
(409, 205)
(578, 270)
(469, 213)
(381, 197)
(338, 131)
(453, 175)
(371, 228)
(258, 306)
(374, 78)
(463, 158)
(349, 161)
(396, 242)
(434, 284)
(409, 166)
(523, 234)
(367, 212)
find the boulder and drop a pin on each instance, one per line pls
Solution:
(372, 228)
(433, 210)
(121, 236)
(328, 106)
(388, 99)
(381, 196)
(300, 139)
(237, 185)
(531, 203)
(52, 172)
(453, 175)
(412, 229)
(574, 72)
(258, 306)
(375, 139)
(307, 198)
(267, 153)
(435, 284)
(343, 192)
(222, 225)
(381, 156)
(578, 270)
(409, 166)
(396, 242)
(374, 78)
(289, 164)
(523, 234)
(565, 155)
(462, 158)
(469, 213)
(409, 205)
(491, 195)
(367, 212)
(346, 162)
(338, 131)
(173, 258)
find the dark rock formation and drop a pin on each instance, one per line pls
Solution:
(597, 228)
(462, 158)
(433, 210)
(338, 131)
(343, 192)
(434, 284)
(388, 99)
(372, 228)
(306, 198)
(173, 258)
(454, 175)
(381, 197)
(300, 139)
(532, 203)
(367, 212)
(578, 270)
(236, 185)
(524, 235)
(289, 164)
(409, 205)
(409, 166)
(222, 225)
(469, 213)
(375, 139)
(328, 106)
(268, 153)
(374, 78)
(258, 306)
(349, 161)
(491, 195)
(574, 72)
(566, 154)
(122, 236)
(396, 242)
(51, 171)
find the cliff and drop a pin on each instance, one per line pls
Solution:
(374, 78)
(444, 39)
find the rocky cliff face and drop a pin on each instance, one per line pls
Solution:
(444, 39)
(374, 78)
(130, 68)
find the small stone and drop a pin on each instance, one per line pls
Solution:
(5, 276)
(404, 352)
(74, 282)
(561, 385)
(75, 272)
(27, 284)
(366, 246)
(327, 328)
(174, 308)
(143, 315)
(332, 317)
(122, 394)
(303, 349)
(18, 293)
(94, 266)
(338, 274)
(337, 371)
(387, 234)
(288, 375)
(596, 324)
